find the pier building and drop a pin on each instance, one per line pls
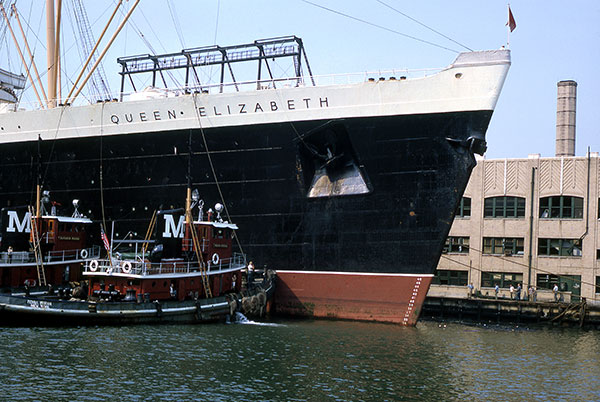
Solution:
(531, 221)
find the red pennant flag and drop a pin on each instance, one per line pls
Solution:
(511, 20)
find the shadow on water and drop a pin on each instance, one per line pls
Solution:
(300, 360)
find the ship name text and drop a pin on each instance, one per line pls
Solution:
(39, 304)
(258, 107)
(226, 109)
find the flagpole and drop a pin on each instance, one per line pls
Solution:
(508, 29)
(109, 249)
(511, 25)
(112, 236)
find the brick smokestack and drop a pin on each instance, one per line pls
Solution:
(566, 103)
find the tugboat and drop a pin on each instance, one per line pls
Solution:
(45, 248)
(191, 275)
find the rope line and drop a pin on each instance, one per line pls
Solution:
(379, 26)
(423, 25)
(62, 111)
(176, 23)
(212, 168)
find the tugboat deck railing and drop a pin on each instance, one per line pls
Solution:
(137, 267)
(49, 258)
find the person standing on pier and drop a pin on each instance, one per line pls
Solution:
(512, 292)
(555, 290)
(470, 287)
(496, 290)
(250, 273)
(519, 291)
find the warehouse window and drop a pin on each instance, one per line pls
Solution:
(598, 284)
(464, 208)
(504, 207)
(561, 247)
(502, 279)
(450, 278)
(456, 244)
(546, 281)
(566, 283)
(503, 245)
(561, 206)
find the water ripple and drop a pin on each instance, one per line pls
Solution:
(300, 361)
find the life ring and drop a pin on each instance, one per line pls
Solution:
(84, 254)
(93, 265)
(215, 259)
(126, 267)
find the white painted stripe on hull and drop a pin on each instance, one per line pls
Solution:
(71, 312)
(163, 276)
(352, 273)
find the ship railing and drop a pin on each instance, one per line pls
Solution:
(253, 85)
(147, 268)
(188, 244)
(290, 82)
(54, 257)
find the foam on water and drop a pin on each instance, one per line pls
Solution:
(242, 319)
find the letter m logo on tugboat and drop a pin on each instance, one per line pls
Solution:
(15, 227)
(18, 225)
(172, 231)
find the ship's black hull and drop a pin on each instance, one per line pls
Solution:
(414, 170)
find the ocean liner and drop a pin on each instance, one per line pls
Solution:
(347, 190)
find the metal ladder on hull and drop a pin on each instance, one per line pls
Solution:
(37, 250)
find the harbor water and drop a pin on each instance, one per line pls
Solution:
(300, 360)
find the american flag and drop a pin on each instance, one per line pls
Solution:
(104, 239)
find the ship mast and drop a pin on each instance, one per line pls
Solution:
(50, 52)
(52, 96)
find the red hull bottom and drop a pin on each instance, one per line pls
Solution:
(394, 298)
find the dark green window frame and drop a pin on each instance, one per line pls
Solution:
(546, 281)
(598, 284)
(456, 244)
(502, 279)
(464, 208)
(560, 247)
(504, 207)
(565, 283)
(503, 245)
(561, 207)
(450, 277)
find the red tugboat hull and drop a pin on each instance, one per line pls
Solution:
(393, 298)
